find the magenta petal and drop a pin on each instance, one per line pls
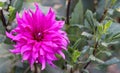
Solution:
(9, 35)
(15, 51)
(62, 54)
(26, 55)
(43, 64)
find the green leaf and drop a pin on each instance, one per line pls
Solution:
(107, 26)
(11, 13)
(77, 15)
(76, 43)
(90, 22)
(107, 53)
(117, 36)
(88, 5)
(112, 61)
(75, 55)
(114, 32)
(86, 34)
(108, 63)
(93, 58)
(73, 4)
(16, 7)
(100, 29)
(109, 43)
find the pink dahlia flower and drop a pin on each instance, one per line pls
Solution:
(39, 37)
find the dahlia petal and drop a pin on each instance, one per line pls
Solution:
(24, 49)
(51, 14)
(9, 35)
(61, 53)
(47, 49)
(31, 61)
(51, 57)
(41, 51)
(64, 48)
(43, 64)
(26, 55)
(50, 62)
(15, 51)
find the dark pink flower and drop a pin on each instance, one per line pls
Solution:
(39, 37)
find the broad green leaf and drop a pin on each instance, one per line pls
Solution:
(73, 4)
(117, 36)
(107, 26)
(93, 58)
(88, 5)
(109, 43)
(90, 22)
(91, 51)
(77, 15)
(112, 61)
(11, 13)
(85, 49)
(108, 53)
(75, 55)
(86, 34)
(16, 7)
(114, 28)
(114, 31)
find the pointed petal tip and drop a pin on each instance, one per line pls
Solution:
(36, 5)
(62, 54)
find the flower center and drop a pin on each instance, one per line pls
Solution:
(38, 36)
